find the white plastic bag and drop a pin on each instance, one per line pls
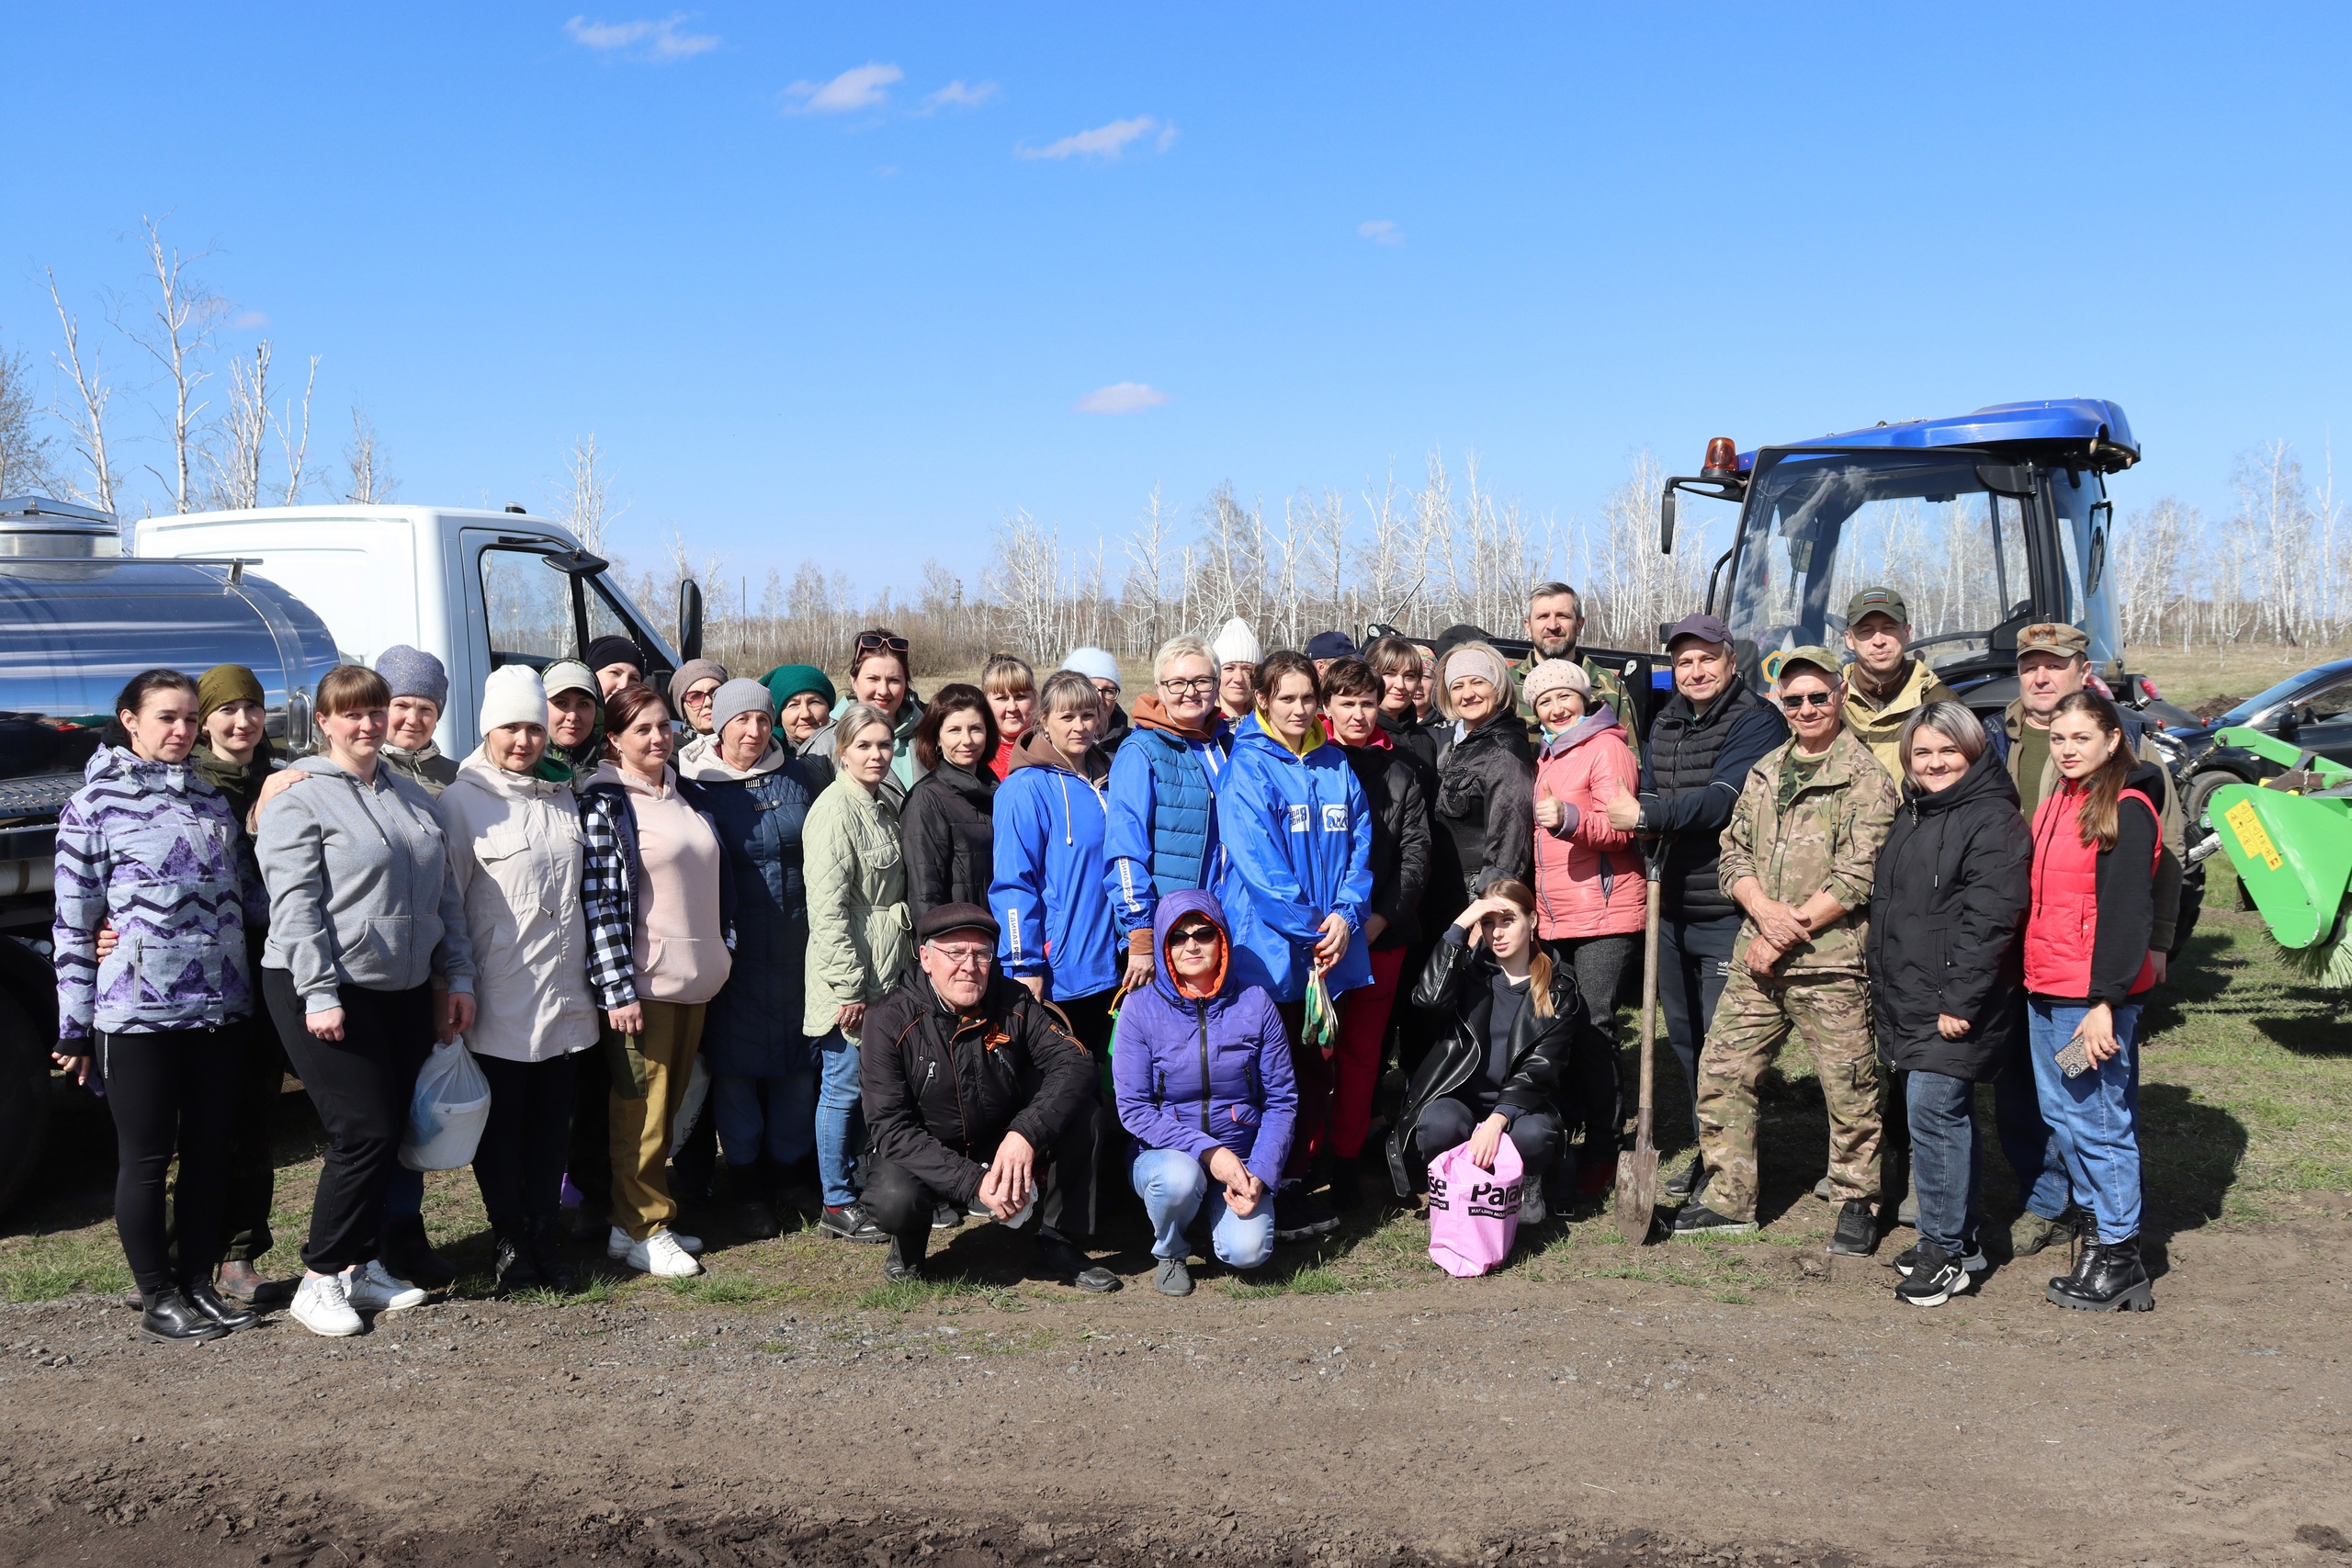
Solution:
(447, 1114)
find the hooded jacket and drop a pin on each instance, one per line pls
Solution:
(1485, 807)
(950, 831)
(1162, 832)
(1117, 728)
(152, 849)
(1047, 891)
(1587, 874)
(2088, 936)
(1299, 831)
(1878, 726)
(1947, 907)
(516, 859)
(861, 940)
(1391, 777)
(1197, 1074)
(1458, 983)
(941, 1087)
(754, 1025)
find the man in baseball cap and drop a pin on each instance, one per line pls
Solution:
(1886, 686)
(980, 1103)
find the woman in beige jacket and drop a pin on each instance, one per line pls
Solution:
(514, 853)
(859, 943)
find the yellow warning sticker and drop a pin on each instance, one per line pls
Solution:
(2252, 839)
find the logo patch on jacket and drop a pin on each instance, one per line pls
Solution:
(1335, 818)
(1298, 818)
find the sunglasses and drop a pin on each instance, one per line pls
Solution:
(874, 642)
(1192, 936)
(1797, 702)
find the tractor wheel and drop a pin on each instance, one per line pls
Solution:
(2200, 793)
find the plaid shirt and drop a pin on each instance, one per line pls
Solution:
(610, 900)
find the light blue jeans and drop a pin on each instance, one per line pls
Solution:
(2095, 1118)
(1172, 1185)
(841, 1118)
(772, 1116)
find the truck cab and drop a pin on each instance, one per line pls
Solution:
(475, 588)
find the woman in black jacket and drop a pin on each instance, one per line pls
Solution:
(1496, 1070)
(948, 822)
(1948, 907)
(1485, 797)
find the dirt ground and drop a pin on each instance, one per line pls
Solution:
(1581, 1422)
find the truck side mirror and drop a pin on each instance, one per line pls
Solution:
(1666, 522)
(689, 619)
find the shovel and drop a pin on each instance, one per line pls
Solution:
(1636, 1210)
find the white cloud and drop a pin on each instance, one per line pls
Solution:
(1102, 141)
(1380, 231)
(960, 94)
(647, 40)
(251, 320)
(1120, 397)
(859, 88)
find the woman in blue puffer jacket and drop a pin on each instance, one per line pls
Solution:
(1204, 1086)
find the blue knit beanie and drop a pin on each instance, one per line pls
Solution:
(413, 673)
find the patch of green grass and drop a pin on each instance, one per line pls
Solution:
(918, 1296)
(45, 1267)
(730, 1290)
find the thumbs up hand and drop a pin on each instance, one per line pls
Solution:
(1548, 811)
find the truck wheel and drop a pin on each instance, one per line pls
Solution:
(24, 1096)
(2200, 793)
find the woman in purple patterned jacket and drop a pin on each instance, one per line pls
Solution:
(148, 847)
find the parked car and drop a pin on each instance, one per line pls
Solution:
(2311, 711)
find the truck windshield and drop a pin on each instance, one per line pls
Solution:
(1817, 530)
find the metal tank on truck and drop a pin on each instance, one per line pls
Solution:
(1987, 522)
(78, 619)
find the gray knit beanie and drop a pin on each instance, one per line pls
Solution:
(735, 699)
(413, 673)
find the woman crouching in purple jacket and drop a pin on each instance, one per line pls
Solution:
(1204, 1086)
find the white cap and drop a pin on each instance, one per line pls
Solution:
(1236, 644)
(514, 694)
(1095, 663)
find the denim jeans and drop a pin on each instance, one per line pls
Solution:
(1172, 1185)
(2025, 1140)
(1694, 964)
(2094, 1119)
(841, 1118)
(776, 1117)
(1947, 1160)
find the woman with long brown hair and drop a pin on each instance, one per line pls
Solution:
(2087, 963)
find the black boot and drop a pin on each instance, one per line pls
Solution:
(2113, 1280)
(546, 1252)
(167, 1316)
(904, 1260)
(515, 1269)
(208, 1303)
(755, 1210)
(409, 1255)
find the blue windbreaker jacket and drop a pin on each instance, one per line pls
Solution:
(1047, 895)
(1299, 831)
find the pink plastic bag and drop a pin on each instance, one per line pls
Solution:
(1474, 1213)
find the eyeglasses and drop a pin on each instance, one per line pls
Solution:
(1797, 702)
(1192, 936)
(963, 957)
(877, 642)
(1198, 686)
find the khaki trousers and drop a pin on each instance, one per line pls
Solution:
(650, 1072)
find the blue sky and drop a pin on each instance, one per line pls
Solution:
(838, 282)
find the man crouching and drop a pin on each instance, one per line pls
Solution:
(963, 1066)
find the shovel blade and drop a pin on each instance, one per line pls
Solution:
(1636, 1210)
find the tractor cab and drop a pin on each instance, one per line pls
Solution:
(1986, 524)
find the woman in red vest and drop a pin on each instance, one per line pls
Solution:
(2087, 965)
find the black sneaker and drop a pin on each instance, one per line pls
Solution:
(548, 1253)
(515, 1268)
(1695, 1218)
(1684, 1183)
(755, 1220)
(1934, 1278)
(943, 1217)
(1972, 1256)
(1299, 1214)
(896, 1266)
(1857, 1232)
(1067, 1263)
(850, 1222)
(1533, 1210)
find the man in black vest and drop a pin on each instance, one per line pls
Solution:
(1706, 738)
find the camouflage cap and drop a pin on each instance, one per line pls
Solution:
(2054, 636)
(1782, 664)
(1878, 601)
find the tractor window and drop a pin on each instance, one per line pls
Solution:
(528, 604)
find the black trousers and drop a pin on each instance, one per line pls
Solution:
(519, 1164)
(362, 1085)
(171, 1090)
(1693, 963)
(1599, 964)
(253, 1167)
(1445, 1124)
(902, 1202)
(590, 1161)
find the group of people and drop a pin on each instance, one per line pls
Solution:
(965, 957)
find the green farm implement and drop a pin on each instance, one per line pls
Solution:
(2291, 840)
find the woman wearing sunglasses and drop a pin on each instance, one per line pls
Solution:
(879, 668)
(1203, 1071)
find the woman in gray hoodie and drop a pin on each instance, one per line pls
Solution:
(364, 916)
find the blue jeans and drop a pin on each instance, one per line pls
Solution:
(1172, 1185)
(2094, 1119)
(405, 1193)
(772, 1116)
(1947, 1161)
(841, 1118)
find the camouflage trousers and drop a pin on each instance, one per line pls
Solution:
(1831, 1013)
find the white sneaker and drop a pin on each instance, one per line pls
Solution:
(617, 1243)
(660, 1256)
(321, 1306)
(371, 1288)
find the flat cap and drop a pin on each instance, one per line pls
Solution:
(2054, 636)
(941, 918)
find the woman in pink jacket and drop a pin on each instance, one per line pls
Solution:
(1588, 890)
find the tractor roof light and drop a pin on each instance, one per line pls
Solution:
(1723, 460)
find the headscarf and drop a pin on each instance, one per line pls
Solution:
(786, 681)
(240, 782)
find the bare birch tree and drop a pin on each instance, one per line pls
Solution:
(368, 482)
(176, 329)
(24, 451)
(294, 437)
(236, 462)
(85, 421)
(588, 508)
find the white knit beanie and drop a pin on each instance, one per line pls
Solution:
(1552, 675)
(514, 694)
(1095, 663)
(1236, 644)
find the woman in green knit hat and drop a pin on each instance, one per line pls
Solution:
(804, 698)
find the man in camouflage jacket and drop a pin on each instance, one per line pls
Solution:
(1798, 858)
(1554, 623)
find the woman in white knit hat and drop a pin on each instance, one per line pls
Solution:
(514, 853)
(1237, 658)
